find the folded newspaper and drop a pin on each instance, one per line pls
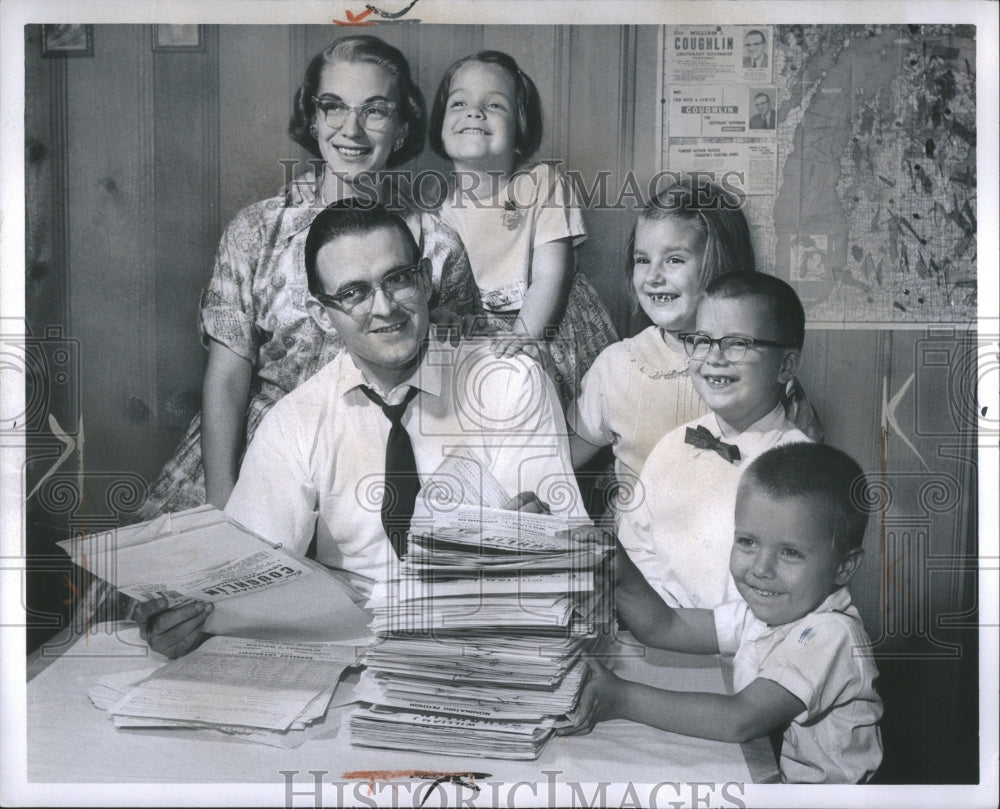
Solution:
(259, 588)
(262, 691)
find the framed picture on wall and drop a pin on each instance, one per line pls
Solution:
(177, 38)
(67, 39)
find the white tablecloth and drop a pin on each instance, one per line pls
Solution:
(71, 741)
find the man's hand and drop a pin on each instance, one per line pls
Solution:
(527, 502)
(171, 631)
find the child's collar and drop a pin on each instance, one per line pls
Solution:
(772, 421)
(838, 601)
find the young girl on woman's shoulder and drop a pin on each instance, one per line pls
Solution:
(519, 221)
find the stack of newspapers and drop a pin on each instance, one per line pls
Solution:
(482, 632)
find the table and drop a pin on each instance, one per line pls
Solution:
(71, 741)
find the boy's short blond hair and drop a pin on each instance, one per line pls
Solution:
(818, 472)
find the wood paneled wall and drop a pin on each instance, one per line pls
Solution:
(903, 403)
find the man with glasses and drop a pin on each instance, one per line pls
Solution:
(338, 462)
(754, 49)
(744, 350)
(763, 117)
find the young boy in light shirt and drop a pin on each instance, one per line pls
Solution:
(802, 660)
(745, 348)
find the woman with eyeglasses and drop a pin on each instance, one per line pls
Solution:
(359, 111)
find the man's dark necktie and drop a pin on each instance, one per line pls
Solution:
(401, 481)
(702, 438)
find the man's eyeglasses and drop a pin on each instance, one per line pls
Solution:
(374, 117)
(399, 285)
(733, 349)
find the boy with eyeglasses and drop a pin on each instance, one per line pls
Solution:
(745, 348)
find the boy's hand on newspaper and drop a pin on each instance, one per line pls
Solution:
(171, 631)
(597, 700)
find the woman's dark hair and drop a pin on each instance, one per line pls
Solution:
(529, 104)
(372, 50)
(714, 212)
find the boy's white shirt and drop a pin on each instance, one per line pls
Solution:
(824, 660)
(679, 529)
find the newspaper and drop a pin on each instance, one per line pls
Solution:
(258, 587)
(262, 691)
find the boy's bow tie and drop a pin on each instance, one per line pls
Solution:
(702, 438)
